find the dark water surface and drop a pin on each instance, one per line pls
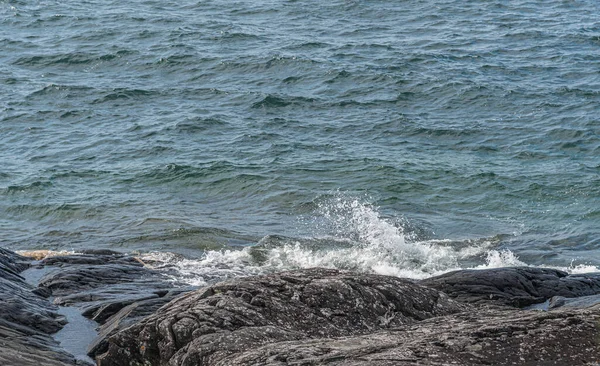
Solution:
(406, 137)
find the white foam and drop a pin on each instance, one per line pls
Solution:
(213, 266)
(501, 258)
(360, 240)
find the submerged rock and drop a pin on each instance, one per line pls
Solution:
(208, 325)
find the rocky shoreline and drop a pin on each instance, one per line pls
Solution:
(138, 316)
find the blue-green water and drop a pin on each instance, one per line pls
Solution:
(405, 137)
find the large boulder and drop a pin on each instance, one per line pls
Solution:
(211, 324)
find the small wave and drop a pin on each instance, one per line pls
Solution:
(49, 60)
(199, 124)
(58, 89)
(27, 188)
(273, 101)
(126, 94)
(68, 59)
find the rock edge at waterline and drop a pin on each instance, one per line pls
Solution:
(302, 317)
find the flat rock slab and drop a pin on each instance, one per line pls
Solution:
(205, 326)
(575, 303)
(516, 286)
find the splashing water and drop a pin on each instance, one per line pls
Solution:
(352, 236)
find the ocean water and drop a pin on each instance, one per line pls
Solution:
(229, 138)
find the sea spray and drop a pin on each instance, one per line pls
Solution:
(352, 235)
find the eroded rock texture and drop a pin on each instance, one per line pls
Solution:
(207, 326)
(303, 317)
(487, 337)
(518, 286)
(111, 288)
(318, 316)
(26, 319)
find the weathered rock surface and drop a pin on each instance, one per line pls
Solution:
(101, 284)
(210, 324)
(303, 317)
(517, 286)
(487, 337)
(127, 316)
(583, 302)
(318, 316)
(111, 288)
(26, 319)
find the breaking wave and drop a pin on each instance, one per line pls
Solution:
(352, 235)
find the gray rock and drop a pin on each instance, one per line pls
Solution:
(213, 323)
(128, 316)
(304, 317)
(113, 289)
(518, 286)
(101, 284)
(575, 303)
(26, 319)
(11, 264)
(485, 337)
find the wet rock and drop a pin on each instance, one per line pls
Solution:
(575, 303)
(11, 264)
(26, 319)
(518, 286)
(92, 259)
(113, 289)
(130, 315)
(101, 284)
(208, 325)
(304, 317)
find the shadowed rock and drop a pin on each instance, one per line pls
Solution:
(127, 316)
(207, 325)
(11, 264)
(26, 319)
(111, 288)
(518, 286)
(101, 284)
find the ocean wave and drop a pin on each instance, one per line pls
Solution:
(358, 239)
(28, 188)
(66, 91)
(274, 101)
(126, 94)
(69, 59)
